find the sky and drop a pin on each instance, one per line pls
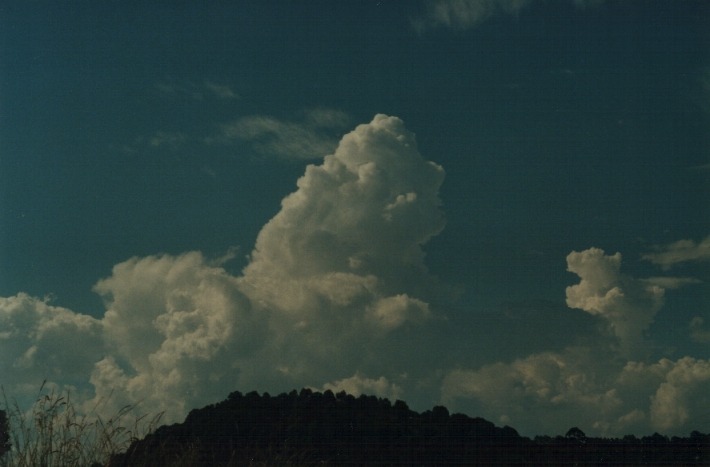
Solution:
(501, 206)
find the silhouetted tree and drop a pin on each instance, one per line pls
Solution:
(4, 433)
(576, 434)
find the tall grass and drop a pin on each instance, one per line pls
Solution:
(53, 433)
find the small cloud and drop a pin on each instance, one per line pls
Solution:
(627, 304)
(464, 14)
(187, 88)
(313, 137)
(170, 139)
(392, 312)
(698, 331)
(671, 282)
(326, 118)
(680, 252)
(359, 384)
(221, 91)
(460, 15)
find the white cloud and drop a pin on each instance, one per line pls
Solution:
(221, 91)
(341, 264)
(337, 285)
(170, 139)
(680, 252)
(359, 384)
(196, 91)
(39, 341)
(698, 332)
(543, 392)
(540, 392)
(334, 275)
(466, 14)
(311, 138)
(391, 312)
(174, 328)
(345, 219)
(684, 395)
(671, 282)
(596, 387)
(627, 304)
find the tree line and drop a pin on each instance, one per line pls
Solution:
(307, 427)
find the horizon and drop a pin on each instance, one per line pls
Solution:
(497, 206)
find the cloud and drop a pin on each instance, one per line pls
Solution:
(607, 390)
(176, 329)
(698, 332)
(627, 304)
(335, 291)
(39, 341)
(359, 384)
(540, 393)
(311, 138)
(221, 91)
(683, 395)
(197, 91)
(680, 252)
(342, 263)
(671, 282)
(170, 139)
(392, 312)
(465, 14)
(335, 275)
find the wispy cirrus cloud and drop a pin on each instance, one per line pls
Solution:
(197, 91)
(680, 252)
(466, 14)
(171, 139)
(699, 331)
(313, 136)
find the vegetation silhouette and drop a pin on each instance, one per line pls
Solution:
(314, 428)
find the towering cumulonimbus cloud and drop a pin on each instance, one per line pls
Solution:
(342, 264)
(355, 225)
(336, 273)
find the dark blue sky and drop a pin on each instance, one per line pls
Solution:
(129, 131)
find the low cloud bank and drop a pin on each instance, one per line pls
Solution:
(605, 384)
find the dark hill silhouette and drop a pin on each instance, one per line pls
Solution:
(313, 428)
